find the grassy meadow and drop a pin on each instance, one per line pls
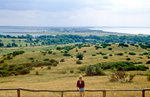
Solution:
(65, 74)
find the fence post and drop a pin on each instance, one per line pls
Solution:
(18, 92)
(104, 93)
(62, 94)
(143, 93)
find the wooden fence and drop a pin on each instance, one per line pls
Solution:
(63, 91)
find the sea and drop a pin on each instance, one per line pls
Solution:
(37, 31)
(128, 30)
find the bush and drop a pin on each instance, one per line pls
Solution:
(101, 53)
(123, 45)
(120, 54)
(62, 60)
(46, 59)
(132, 53)
(131, 76)
(93, 54)
(148, 62)
(82, 68)
(109, 48)
(36, 73)
(78, 62)
(94, 70)
(128, 59)
(49, 67)
(2, 61)
(50, 52)
(80, 56)
(24, 71)
(104, 45)
(54, 61)
(84, 51)
(148, 77)
(126, 66)
(105, 57)
(66, 54)
(110, 54)
(142, 67)
(8, 70)
(118, 76)
(71, 71)
(54, 64)
(17, 53)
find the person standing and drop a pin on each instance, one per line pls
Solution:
(80, 86)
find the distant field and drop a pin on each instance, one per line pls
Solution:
(60, 77)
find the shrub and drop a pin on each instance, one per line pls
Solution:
(31, 58)
(80, 56)
(49, 67)
(119, 54)
(82, 68)
(109, 48)
(62, 60)
(148, 77)
(17, 53)
(84, 51)
(131, 76)
(54, 61)
(93, 54)
(50, 52)
(97, 47)
(132, 53)
(105, 57)
(142, 67)
(46, 59)
(71, 71)
(54, 53)
(24, 71)
(78, 62)
(110, 54)
(54, 64)
(8, 70)
(36, 73)
(66, 54)
(118, 76)
(58, 48)
(145, 53)
(123, 45)
(2, 61)
(104, 45)
(138, 62)
(148, 62)
(101, 53)
(128, 59)
(94, 70)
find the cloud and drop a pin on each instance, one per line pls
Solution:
(75, 12)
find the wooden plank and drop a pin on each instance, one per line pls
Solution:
(104, 93)
(18, 93)
(62, 94)
(143, 93)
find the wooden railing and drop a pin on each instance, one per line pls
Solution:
(63, 91)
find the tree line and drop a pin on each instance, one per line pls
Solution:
(67, 39)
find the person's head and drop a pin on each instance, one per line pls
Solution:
(80, 77)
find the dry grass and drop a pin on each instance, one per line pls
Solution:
(59, 78)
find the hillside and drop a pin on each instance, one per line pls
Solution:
(56, 76)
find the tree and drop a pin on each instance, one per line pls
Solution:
(80, 56)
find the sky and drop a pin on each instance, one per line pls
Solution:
(75, 13)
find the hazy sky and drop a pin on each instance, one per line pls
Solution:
(75, 12)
